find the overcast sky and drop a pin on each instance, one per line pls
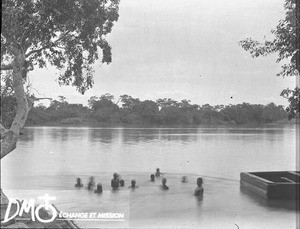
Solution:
(184, 50)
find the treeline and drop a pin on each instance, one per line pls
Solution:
(129, 110)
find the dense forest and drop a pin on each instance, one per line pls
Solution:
(129, 110)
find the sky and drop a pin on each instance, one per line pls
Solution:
(184, 50)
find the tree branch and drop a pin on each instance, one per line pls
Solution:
(3, 131)
(38, 99)
(47, 46)
(32, 99)
(37, 50)
(5, 67)
(9, 141)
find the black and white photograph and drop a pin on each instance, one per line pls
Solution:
(144, 114)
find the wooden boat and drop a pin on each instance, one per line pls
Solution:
(272, 185)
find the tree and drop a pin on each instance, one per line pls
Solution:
(66, 34)
(62, 99)
(167, 102)
(148, 111)
(103, 109)
(293, 97)
(286, 43)
(129, 103)
(104, 101)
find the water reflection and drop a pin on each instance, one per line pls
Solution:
(61, 135)
(139, 135)
(135, 135)
(244, 134)
(28, 135)
(287, 204)
(105, 135)
(182, 135)
(209, 151)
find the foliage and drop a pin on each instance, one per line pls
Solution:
(102, 108)
(148, 111)
(293, 97)
(129, 103)
(286, 44)
(8, 101)
(65, 33)
(164, 111)
(58, 110)
(283, 43)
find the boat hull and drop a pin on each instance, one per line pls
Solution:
(272, 185)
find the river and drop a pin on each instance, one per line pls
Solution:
(49, 159)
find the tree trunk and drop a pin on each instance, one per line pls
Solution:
(4, 199)
(298, 36)
(10, 139)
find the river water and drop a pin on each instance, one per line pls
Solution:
(49, 159)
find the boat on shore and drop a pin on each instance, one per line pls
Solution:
(272, 185)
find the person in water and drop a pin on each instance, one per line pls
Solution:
(115, 181)
(91, 183)
(122, 183)
(99, 189)
(78, 183)
(133, 185)
(152, 177)
(199, 190)
(184, 179)
(164, 184)
(158, 173)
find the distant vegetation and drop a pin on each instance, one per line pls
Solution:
(129, 110)
(285, 43)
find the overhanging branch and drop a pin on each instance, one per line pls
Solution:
(3, 131)
(32, 99)
(38, 99)
(54, 43)
(10, 138)
(5, 67)
(35, 51)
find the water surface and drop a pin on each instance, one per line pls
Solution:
(48, 159)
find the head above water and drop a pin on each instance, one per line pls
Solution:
(92, 178)
(157, 170)
(115, 175)
(99, 188)
(78, 182)
(152, 177)
(184, 179)
(133, 182)
(199, 181)
(122, 183)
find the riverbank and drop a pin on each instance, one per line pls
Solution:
(94, 123)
